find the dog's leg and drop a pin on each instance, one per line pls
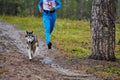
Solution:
(36, 51)
(29, 54)
(32, 53)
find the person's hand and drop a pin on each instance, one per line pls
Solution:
(52, 9)
(41, 11)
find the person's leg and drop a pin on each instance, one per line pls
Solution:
(46, 21)
(52, 22)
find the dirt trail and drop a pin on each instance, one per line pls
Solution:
(47, 65)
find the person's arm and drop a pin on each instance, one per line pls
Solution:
(40, 4)
(59, 5)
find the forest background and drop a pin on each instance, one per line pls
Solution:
(72, 9)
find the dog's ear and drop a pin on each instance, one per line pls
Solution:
(27, 32)
(32, 32)
(25, 35)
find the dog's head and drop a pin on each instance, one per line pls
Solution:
(29, 37)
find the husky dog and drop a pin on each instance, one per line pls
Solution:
(32, 44)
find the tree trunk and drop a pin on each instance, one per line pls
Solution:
(103, 29)
(81, 9)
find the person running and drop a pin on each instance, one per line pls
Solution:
(48, 9)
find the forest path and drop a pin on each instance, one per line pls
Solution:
(47, 65)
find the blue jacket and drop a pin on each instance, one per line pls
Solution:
(58, 6)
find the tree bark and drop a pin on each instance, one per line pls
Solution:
(103, 30)
(81, 9)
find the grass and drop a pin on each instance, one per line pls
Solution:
(107, 71)
(70, 36)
